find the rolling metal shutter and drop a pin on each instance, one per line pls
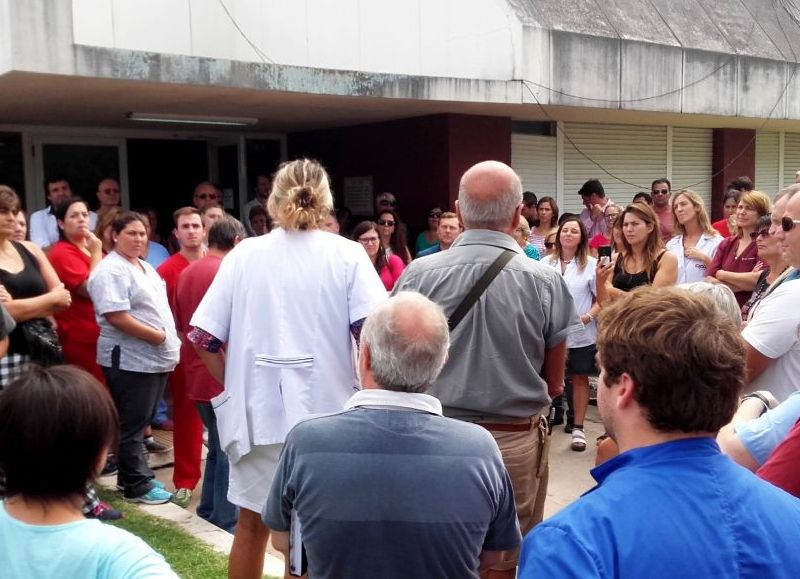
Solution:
(533, 157)
(691, 161)
(791, 160)
(768, 162)
(637, 154)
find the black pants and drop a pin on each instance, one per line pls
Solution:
(136, 395)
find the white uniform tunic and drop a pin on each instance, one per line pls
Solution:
(284, 303)
(692, 270)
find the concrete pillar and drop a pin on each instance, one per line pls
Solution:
(734, 155)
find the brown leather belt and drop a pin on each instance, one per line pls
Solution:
(510, 426)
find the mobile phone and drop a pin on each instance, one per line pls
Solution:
(604, 253)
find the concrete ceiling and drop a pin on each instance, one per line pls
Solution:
(39, 99)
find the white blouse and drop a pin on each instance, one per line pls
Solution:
(692, 270)
(581, 285)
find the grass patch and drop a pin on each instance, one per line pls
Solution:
(188, 556)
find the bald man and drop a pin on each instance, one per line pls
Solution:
(507, 354)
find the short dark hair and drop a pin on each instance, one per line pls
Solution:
(684, 354)
(125, 218)
(592, 186)
(54, 425)
(62, 207)
(529, 198)
(223, 233)
(662, 180)
(188, 210)
(731, 193)
(743, 184)
(643, 195)
(53, 179)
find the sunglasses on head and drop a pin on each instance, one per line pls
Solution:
(760, 233)
(385, 222)
(787, 223)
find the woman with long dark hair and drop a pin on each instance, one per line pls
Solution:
(547, 210)
(643, 259)
(389, 267)
(573, 262)
(393, 235)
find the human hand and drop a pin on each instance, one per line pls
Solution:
(93, 243)
(61, 297)
(603, 273)
(4, 295)
(773, 402)
(711, 279)
(158, 338)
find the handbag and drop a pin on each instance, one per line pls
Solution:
(44, 347)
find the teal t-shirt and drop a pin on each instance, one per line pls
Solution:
(422, 243)
(86, 549)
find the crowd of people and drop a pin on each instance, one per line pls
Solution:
(387, 416)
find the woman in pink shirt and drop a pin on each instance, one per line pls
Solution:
(389, 267)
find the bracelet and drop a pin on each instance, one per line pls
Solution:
(756, 396)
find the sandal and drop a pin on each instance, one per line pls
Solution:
(578, 440)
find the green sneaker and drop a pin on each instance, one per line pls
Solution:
(182, 497)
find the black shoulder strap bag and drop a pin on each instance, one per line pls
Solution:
(480, 286)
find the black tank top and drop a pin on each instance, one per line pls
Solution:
(26, 283)
(622, 280)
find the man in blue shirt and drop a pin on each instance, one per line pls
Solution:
(390, 488)
(671, 504)
(448, 229)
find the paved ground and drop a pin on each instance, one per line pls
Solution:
(569, 478)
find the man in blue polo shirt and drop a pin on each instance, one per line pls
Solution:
(390, 488)
(671, 504)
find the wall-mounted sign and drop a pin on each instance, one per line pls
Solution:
(358, 195)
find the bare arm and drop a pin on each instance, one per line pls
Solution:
(553, 368)
(667, 273)
(280, 540)
(41, 306)
(490, 559)
(214, 361)
(730, 443)
(127, 324)
(95, 247)
(739, 282)
(755, 363)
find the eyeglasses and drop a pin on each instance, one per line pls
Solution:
(660, 191)
(435, 214)
(206, 196)
(762, 233)
(385, 222)
(787, 223)
(368, 240)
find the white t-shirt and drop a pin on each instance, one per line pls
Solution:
(692, 270)
(582, 286)
(284, 303)
(774, 330)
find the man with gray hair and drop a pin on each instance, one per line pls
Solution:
(389, 487)
(508, 351)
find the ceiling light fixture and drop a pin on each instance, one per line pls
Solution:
(191, 119)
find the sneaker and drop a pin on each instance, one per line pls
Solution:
(155, 496)
(151, 445)
(110, 467)
(182, 497)
(154, 482)
(104, 512)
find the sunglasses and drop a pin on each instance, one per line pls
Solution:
(109, 190)
(661, 192)
(388, 202)
(787, 223)
(206, 196)
(385, 222)
(435, 214)
(549, 244)
(762, 233)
